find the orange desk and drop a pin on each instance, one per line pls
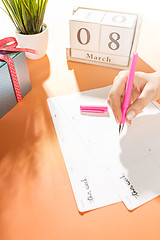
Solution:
(36, 199)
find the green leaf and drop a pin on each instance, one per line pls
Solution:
(41, 16)
(11, 8)
(27, 15)
(7, 6)
(4, 10)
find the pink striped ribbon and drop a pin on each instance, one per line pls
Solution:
(9, 44)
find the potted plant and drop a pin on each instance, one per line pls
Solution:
(31, 31)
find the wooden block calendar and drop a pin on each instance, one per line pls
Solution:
(101, 37)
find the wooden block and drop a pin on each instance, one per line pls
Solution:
(117, 33)
(85, 29)
(100, 57)
(103, 37)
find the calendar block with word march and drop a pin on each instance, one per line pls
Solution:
(102, 37)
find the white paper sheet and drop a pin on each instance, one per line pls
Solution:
(90, 183)
(130, 163)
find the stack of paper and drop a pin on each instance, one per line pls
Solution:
(103, 167)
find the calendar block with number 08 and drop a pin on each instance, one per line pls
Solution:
(103, 37)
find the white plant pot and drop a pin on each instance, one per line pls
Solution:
(37, 42)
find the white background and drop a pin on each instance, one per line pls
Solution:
(61, 10)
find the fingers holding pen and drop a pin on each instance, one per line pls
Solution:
(146, 96)
(146, 88)
(116, 94)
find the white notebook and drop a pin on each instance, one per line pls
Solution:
(103, 167)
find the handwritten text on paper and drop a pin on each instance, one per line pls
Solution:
(132, 189)
(87, 187)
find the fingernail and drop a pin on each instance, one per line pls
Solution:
(117, 120)
(130, 115)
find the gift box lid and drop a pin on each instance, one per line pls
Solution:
(12, 55)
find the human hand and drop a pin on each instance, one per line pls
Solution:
(146, 88)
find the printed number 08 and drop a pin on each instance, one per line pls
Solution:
(114, 44)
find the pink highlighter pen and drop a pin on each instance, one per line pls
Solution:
(128, 90)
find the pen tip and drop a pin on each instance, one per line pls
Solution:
(121, 128)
